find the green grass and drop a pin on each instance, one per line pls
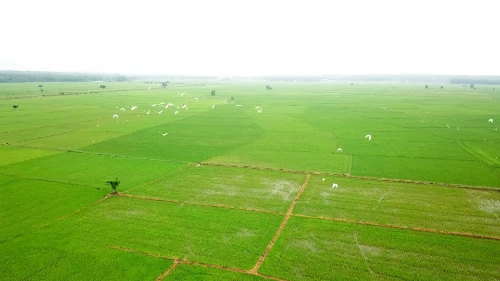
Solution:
(63, 148)
(402, 204)
(265, 190)
(26, 205)
(195, 273)
(12, 154)
(321, 250)
(92, 170)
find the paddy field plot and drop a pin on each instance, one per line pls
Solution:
(233, 194)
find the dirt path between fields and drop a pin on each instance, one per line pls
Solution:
(185, 261)
(199, 204)
(402, 227)
(288, 214)
(475, 187)
(176, 262)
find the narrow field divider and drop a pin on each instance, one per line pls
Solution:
(419, 229)
(256, 267)
(476, 187)
(185, 261)
(199, 204)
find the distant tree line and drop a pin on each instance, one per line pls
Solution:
(41, 76)
(476, 80)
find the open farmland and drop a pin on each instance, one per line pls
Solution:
(231, 193)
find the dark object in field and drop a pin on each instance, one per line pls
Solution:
(352, 84)
(40, 86)
(268, 87)
(164, 84)
(114, 184)
(212, 93)
(232, 98)
(41, 90)
(426, 86)
(15, 106)
(472, 86)
(442, 87)
(102, 86)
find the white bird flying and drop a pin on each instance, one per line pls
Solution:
(182, 94)
(213, 106)
(159, 112)
(147, 112)
(176, 112)
(339, 149)
(134, 107)
(490, 121)
(335, 185)
(259, 110)
(196, 99)
(163, 134)
(185, 106)
(369, 137)
(122, 109)
(115, 116)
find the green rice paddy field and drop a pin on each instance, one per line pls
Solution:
(233, 194)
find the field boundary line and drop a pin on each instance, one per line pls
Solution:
(475, 187)
(188, 262)
(170, 269)
(288, 214)
(198, 204)
(363, 253)
(418, 229)
(157, 179)
(46, 180)
(86, 207)
(93, 153)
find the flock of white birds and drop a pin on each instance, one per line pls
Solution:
(258, 108)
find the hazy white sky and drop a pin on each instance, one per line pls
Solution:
(251, 37)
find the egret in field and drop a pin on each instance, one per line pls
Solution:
(122, 109)
(213, 106)
(369, 137)
(161, 103)
(323, 179)
(163, 134)
(175, 113)
(196, 99)
(490, 121)
(149, 88)
(259, 110)
(257, 107)
(153, 105)
(182, 94)
(185, 106)
(134, 107)
(159, 112)
(147, 112)
(238, 105)
(115, 116)
(335, 185)
(448, 126)
(166, 106)
(339, 149)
